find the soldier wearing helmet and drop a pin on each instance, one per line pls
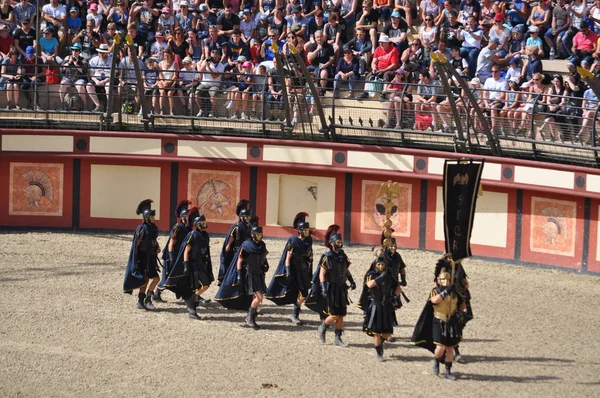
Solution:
(237, 234)
(380, 318)
(243, 287)
(329, 295)
(439, 328)
(292, 278)
(176, 237)
(142, 266)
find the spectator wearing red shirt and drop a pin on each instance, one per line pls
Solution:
(6, 41)
(584, 44)
(385, 59)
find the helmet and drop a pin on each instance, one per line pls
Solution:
(444, 278)
(301, 224)
(145, 209)
(256, 233)
(242, 205)
(245, 213)
(194, 215)
(200, 222)
(333, 238)
(182, 208)
(380, 264)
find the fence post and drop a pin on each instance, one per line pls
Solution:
(441, 64)
(138, 77)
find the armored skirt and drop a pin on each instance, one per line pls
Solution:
(255, 283)
(380, 317)
(446, 333)
(149, 262)
(199, 276)
(337, 299)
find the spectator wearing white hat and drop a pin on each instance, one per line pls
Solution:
(534, 39)
(385, 59)
(100, 75)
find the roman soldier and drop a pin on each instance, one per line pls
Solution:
(237, 234)
(439, 326)
(142, 266)
(192, 270)
(380, 317)
(171, 250)
(461, 284)
(292, 278)
(244, 284)
(329, 294)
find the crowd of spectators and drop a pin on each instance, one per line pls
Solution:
(191, 51)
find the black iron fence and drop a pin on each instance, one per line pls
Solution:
(527, 125)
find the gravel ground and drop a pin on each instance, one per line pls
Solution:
(67, 330)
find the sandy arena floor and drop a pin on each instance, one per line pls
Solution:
(66, 329)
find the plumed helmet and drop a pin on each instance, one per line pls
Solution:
(193, 213)
(245, 213)
(332, 234)
(256, 230)
(145, 208)
(300, 221)
(200, 221)
(242, 204)
(444, 264)
(182, 208)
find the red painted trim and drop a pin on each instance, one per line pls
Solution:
(527, 255)
(64, 221)
(593, 264)
(86, 221)
(310, 144)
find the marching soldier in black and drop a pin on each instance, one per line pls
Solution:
(380, 318)
(329, 293)
(237, 234)
(243, 287)
(142, 266)
(171, 250)
(292, 278)
(197, 263)
(192, 273)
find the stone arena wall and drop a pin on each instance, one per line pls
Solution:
(530, 213)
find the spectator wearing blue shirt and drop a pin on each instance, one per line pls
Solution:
(265, 49)
(298, 18)
(347, 69)
(49, 46)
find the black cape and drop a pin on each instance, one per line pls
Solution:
(175, 281)
(231, 295)
(423, 333)
(133, 278)
(278, 291)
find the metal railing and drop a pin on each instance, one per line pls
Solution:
(392, 116)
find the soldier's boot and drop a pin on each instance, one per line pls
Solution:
(295, 317)
(436, 366)
(148, 301)
(157, 296)
(449, 375)
(379, 350)
(338, 339)
(251, 318)
(140, 304)
(321, 331)
(457, 357)
(202, 301)
(191, 305)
